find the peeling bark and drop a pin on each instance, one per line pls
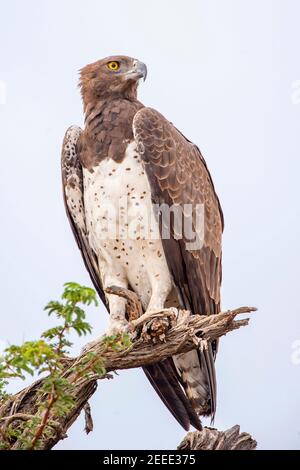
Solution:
(212, 439)
(163, 335)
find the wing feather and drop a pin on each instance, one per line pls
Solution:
(72, 179)
(178, 174)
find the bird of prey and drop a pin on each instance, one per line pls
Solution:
(127, 161)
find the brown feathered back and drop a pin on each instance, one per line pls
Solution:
(178, 176)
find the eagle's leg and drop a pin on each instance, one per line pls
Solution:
(117, 311)
(116, 304)
(161, 287)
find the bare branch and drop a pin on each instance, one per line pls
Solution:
(159, 336)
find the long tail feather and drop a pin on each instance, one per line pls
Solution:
(166, 382)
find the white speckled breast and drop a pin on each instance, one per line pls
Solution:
(121, 226)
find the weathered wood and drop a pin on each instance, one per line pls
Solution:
(212, 439)
(164, 334)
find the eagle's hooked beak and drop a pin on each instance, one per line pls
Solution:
(139, 70)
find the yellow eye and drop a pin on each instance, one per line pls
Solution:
(113, 65)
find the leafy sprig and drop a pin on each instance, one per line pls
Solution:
(46, 355)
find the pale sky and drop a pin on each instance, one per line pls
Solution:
(225, 73)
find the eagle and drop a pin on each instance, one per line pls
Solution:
(128, 161)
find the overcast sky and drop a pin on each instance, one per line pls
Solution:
(225, 73)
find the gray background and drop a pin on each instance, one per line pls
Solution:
(223, 72)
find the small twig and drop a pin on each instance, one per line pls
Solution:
(45, 418)
(89, 425)
(133, 307)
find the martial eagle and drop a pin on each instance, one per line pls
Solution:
(126, 161)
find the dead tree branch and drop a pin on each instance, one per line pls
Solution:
(212, 439)
(159, 336)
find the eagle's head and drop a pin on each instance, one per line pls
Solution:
(115, 76)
